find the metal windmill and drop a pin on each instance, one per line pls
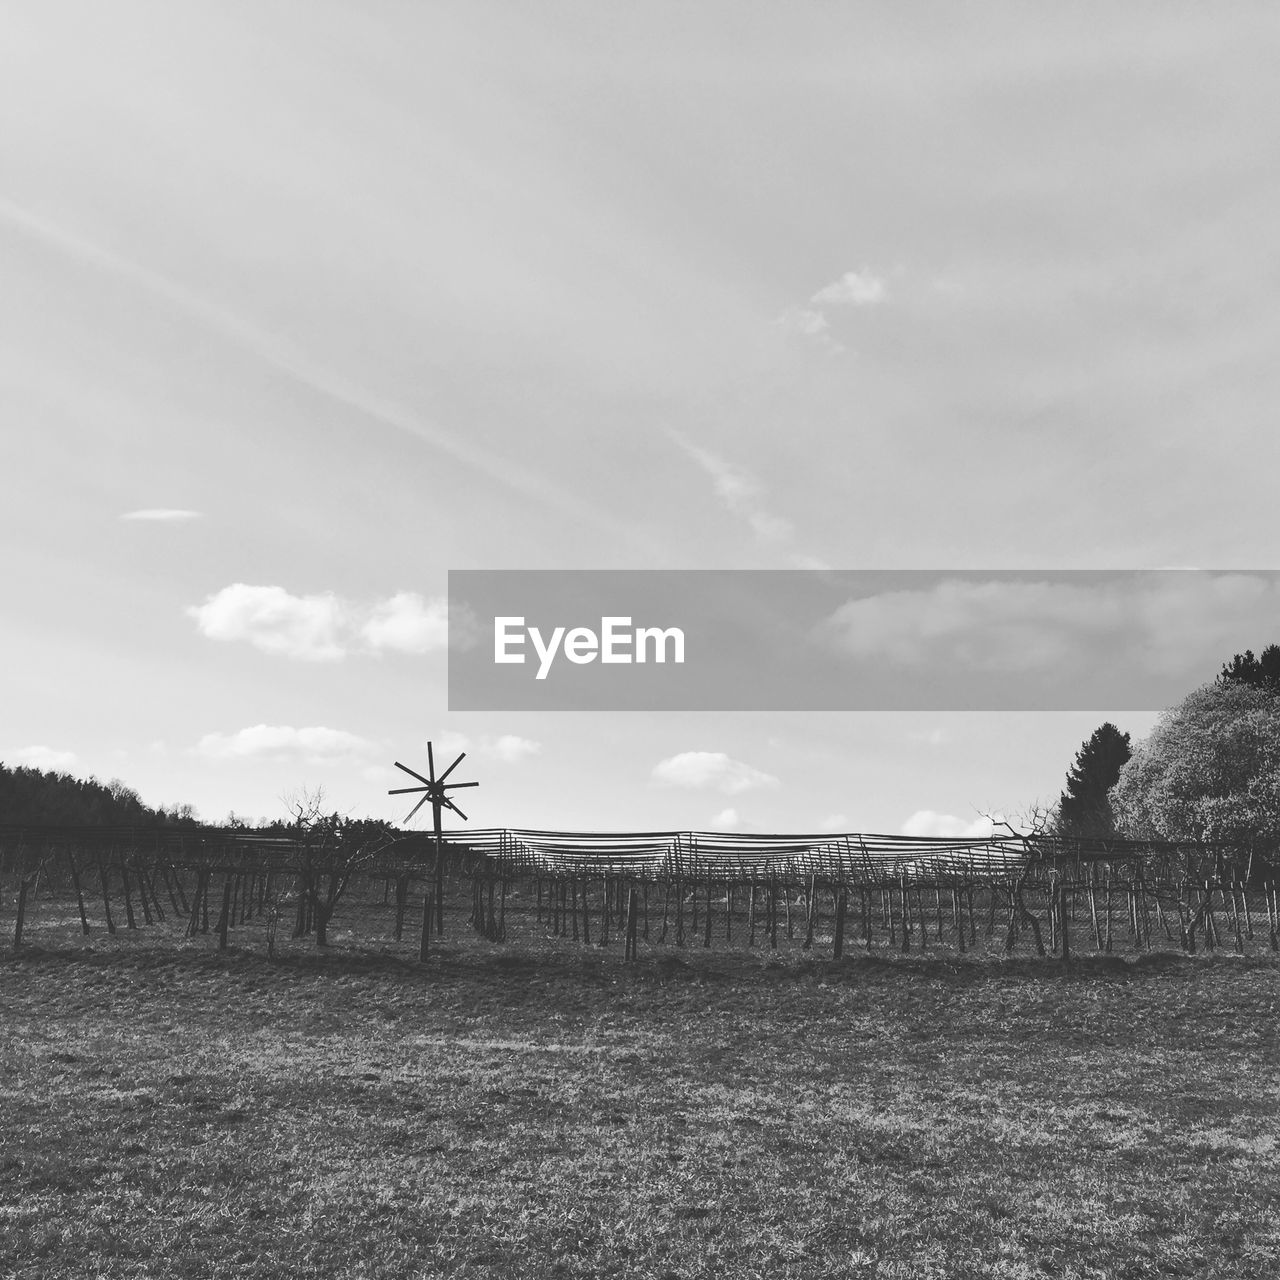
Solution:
(434, 789)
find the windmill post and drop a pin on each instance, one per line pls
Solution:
(433, 789)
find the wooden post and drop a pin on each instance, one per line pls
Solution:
(224, 920)
(706, 937)
(842, 899)
(1244, 911)
(402, 901)
(24, 884)
(424, 942)
(106, 895)
(1063, 917)
(439, 890)
(1107, 940)
(75, 880)
(128, 895)
(631, 949)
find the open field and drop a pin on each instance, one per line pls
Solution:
(522, 1110)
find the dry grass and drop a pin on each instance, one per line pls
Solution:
(543, 1111)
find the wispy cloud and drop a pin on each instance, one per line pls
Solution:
(280, 354)
(710, 771)
(323, 627)
(40, 757)
(312, 745)
(733, 487)
(804, 320)
(853, 289)
(739, 492)
(170, 515)
(834, 822)
(725, 820)
(507, 748)
(856, 289)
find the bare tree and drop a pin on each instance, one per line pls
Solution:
(331, 848)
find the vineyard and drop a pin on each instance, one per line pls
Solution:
(1011, 893)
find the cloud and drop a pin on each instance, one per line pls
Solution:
(997, 625)
(170, 514)
(408, 624)
(49, 759)
(323, 627)
(834, 822)
(269, 618)
(739, 492)
(710, 770)
(1163, 621)
(853, 289)
(926, 822)
(508, 748)
(732, 487)
(313, 745)
(725, 820)
(929, 737)
(511, 748)
(805, 321)
(770, 528)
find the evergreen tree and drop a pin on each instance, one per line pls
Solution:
(1084, 809)
(1262, 672)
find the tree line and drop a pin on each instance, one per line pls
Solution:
(30, 795)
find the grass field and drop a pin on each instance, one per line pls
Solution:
(547, 1111)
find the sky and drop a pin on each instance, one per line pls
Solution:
(305, 305)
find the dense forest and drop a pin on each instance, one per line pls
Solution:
(32, 795)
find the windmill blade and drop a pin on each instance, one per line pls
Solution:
(431, 763)
(404, 791)
(455, 808)
(461, 757)
(416, 807)
(451, 785)
(412, 772)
